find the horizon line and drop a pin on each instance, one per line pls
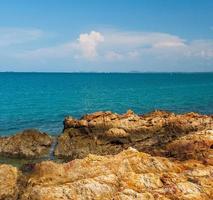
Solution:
(105, 72)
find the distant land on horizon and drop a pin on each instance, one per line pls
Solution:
(118, 72)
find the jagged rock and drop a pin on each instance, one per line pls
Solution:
(27, 144)
(106, 133)
(130, 175)
(198, 145)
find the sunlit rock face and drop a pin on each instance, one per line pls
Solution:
(105, 133)
(128, 175)
(27, 144)
(158, 156)
(9, 182)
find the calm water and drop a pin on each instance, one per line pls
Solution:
(42, 100)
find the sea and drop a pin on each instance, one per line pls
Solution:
(43, 100)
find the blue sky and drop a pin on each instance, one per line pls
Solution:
(106, 35)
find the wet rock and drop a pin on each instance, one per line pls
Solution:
(27, 144)
(106, 133)
(128, 175)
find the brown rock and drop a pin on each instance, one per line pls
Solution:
(8, 182)
(129, 175)
(106, 133)
(198, 145)
(27, 144)
(116, 132)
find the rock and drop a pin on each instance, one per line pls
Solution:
(130, 175)
(198, 145)
(116, 132)
(8, 182)
(27, 144)
(104, 133)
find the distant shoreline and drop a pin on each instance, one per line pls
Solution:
(133, 72)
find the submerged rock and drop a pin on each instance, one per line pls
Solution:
(128, 175)
(27, 144)
(104, 133)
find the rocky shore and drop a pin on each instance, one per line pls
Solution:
(27, 144)
(159, 155)
(105, 133)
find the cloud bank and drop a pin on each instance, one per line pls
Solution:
(125, 50)
(14, 36)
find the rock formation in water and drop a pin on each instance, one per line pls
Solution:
(179, 165)
(27, 144)
(129, 175)
(105, 133)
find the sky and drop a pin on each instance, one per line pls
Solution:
(106, 35)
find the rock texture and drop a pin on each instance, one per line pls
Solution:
(197, 145)
(8, 182)
(129, 175)
(106, 133)
(179, 165)
(27, 144)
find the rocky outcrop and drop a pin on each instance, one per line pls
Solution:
(27, 144)
(104, 133)
(179, 165)
(128, 175)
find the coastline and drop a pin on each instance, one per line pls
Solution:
(158, 155)
(103, 128)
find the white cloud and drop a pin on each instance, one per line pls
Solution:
(143, 39)
(168, 44)
(54, 52)
(88, 43)
(14, 36)
(201, 48)
(134, 45)
(83, 47)
(129, 48)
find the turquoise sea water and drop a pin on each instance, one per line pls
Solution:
(42, 100)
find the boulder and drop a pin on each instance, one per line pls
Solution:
(30, 143)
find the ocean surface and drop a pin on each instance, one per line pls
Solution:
(42, 100)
